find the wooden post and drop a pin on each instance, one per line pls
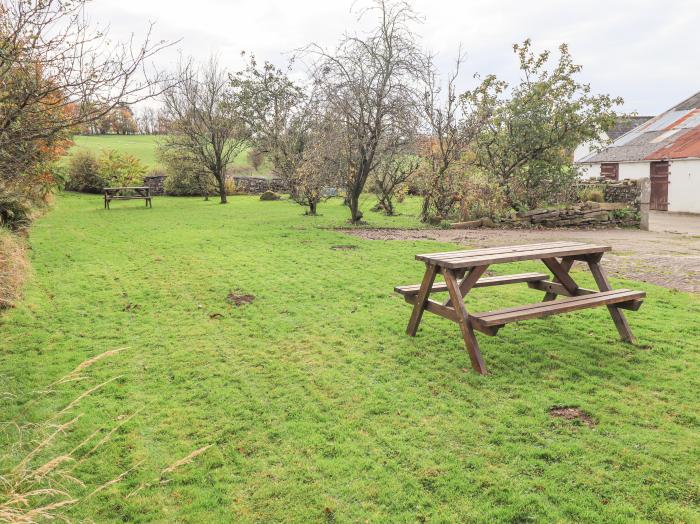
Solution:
(645, 198)
(463, 321)
(418, 308)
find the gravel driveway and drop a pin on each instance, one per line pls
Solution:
(667, 259)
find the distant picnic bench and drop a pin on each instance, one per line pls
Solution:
(128, 193)
(463, 270)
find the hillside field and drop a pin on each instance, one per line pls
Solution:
(143, 147)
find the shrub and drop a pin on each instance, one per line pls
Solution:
(230, 186)
(83, 173)
(482, 197)
(15, 210)
(592, 195)
(185, 178)
(117, 169)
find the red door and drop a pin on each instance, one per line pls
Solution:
(610, 171)
(658, 172)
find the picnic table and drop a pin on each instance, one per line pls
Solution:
(463, 270)
(128, 193)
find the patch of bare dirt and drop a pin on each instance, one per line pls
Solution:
(343, 247)
(662, 258)
(572, 414)
(239, 300)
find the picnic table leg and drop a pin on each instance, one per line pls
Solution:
(623, 328)
(425, 287)
(463, 320)
(468, 281)
(563, 266)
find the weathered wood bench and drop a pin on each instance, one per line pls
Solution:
(128, 193)
(463, 270)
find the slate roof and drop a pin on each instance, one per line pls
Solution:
(673, 134)
(626, 124)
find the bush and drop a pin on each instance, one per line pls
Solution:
(482, 197)
(15, 210)
(117, 169)
(185, 177)
(591, 195)
(83, 173)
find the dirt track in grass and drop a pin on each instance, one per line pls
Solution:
(665, 259)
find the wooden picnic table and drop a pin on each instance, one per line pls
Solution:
(463, 270)
(128, 193)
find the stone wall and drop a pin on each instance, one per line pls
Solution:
(588, 214)
(155, 182)
(623, 191)
(258, 184)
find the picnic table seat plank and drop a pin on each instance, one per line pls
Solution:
(482, 282)
(564, 305)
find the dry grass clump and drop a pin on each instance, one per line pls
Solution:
(36, 481)
(14, 267)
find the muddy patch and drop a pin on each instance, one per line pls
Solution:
(575, 414)
(239, 300)
(347, 247)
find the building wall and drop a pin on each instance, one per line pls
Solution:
(589, 170)
(684, 182)
(684, 186)
(633, 170)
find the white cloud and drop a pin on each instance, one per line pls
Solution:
(642, 50)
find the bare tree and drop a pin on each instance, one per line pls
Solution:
(203, 120)
(283, 119)
(452, 125)
(59, 72)
(392, 174)
(369, 83)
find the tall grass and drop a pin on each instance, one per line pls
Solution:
(37, 483)
(14, 267)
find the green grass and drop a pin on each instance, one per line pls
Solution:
(143, 147)
(318, 406)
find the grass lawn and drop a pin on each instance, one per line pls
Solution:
(318, 407)
(142, 147)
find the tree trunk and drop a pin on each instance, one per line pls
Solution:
(354, 202)
(221, 179)
(312, 207)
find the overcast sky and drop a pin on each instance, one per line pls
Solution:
(646, 51)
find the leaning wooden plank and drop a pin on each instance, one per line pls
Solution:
(482, 282)
(565, 305)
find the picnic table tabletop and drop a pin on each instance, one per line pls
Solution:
(498, 255)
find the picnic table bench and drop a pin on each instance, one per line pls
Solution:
(463, 270)
(128, 193)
